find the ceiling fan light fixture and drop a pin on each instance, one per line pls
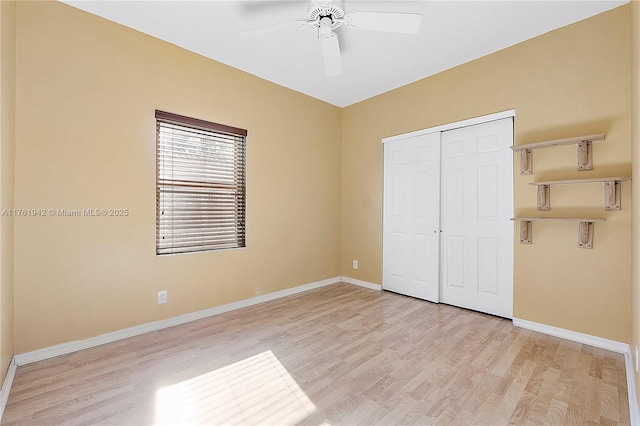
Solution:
(325, 25)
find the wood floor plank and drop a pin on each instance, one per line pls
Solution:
(340, 354)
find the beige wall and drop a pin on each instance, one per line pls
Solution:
(635, 148)
(569, 82)
(7, 157)
(86, 95)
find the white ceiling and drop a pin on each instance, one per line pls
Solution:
(452, 33)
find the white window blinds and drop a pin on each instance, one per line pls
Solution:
(200, 185)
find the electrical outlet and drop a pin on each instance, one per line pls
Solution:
(162, 297)
(355, 264)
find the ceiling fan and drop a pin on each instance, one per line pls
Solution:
(327, 15)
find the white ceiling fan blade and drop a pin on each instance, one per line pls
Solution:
(403, 23)
(331, 54)
(281, 27)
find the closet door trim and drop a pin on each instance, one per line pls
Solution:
(450, 126)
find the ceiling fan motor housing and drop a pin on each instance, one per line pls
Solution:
(319, 9)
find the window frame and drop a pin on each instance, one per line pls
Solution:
(206, 187)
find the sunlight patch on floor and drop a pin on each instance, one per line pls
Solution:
(256, 390)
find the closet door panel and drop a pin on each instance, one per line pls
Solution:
(411, 244)
(477, 194)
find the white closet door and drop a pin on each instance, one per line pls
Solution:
(411, 236)
(477, 203)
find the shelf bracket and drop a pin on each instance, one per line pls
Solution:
(585, 228)
(544, 195)
(612, 195)
(526, 162)
(585, 235)
(525, 231)
(585, 156)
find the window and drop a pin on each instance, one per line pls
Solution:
(200, 185)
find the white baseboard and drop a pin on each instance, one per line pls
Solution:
(361, 283)
(634, 412)
(587, 339)
(66, 348)
(6, 385)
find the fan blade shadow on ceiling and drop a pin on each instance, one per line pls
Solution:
(344, 38)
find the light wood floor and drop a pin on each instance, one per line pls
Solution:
(337, 355)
